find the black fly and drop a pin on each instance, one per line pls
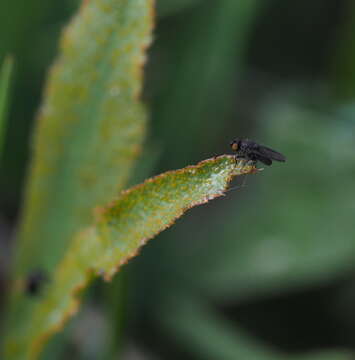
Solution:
(252, 151)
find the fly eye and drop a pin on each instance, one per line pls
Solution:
(234, 145)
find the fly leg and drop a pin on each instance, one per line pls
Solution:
(251, 163)
(238, 157)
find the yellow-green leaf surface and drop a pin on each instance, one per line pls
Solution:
(119, 231)
(90, 127)
(89, 132)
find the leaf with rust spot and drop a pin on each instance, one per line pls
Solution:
(120, 230)
(89, 132)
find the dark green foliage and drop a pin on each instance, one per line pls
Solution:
(280, 73)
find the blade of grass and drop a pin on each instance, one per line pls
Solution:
(204, 71)
(286, 252)
(208, 335)
(5, 77)
(90, 128)
(89, 133)
(120, 230)
(115, 294)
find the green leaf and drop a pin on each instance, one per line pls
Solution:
(205, 76)
(304, 211)
(90, 128)
(208, 335)
(121, 229)
(89, 132)
(5, 77)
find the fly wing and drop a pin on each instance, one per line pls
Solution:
(264, 159)
(269, 153)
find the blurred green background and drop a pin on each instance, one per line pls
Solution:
(266, 272)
